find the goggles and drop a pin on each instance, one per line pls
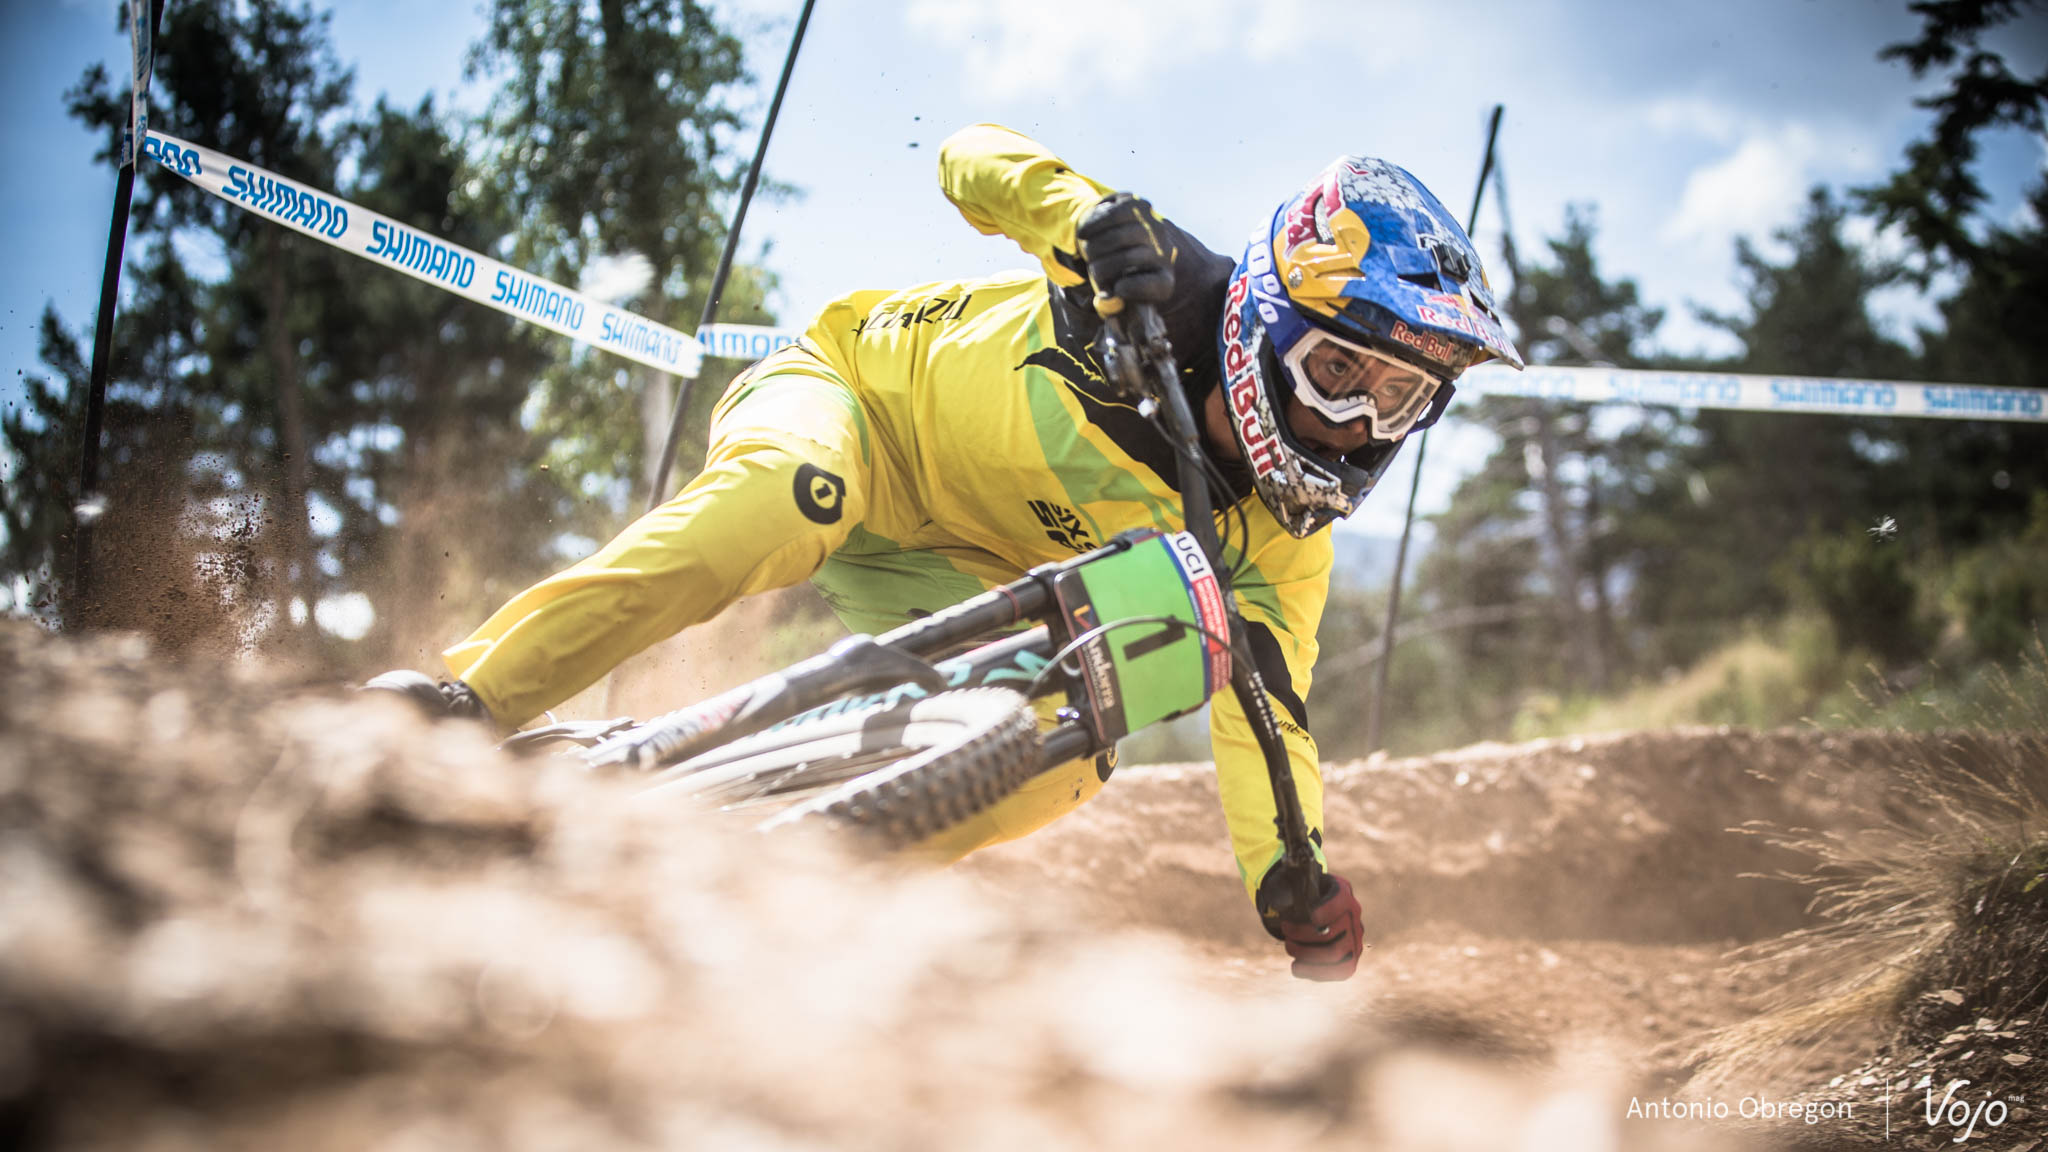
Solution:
(1343, 382)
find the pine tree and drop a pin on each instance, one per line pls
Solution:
(605, 138)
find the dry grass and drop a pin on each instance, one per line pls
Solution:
(1753, 682)
(1930, 893)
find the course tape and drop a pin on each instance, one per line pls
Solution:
(1642, 386)
(1840, 397)
(743, 341)
(451, 267)
(477, 277)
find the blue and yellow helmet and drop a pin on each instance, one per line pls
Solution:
(1364, 260)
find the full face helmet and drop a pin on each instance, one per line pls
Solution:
(1363, 299)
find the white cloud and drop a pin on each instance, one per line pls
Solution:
(1888, 245)
(1693, 116)
(1011, 48)
(1903, 307)
(1276, 26)
(1753, 188)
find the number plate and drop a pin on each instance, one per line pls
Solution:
(1147, 670)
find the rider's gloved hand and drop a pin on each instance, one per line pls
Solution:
(1327, 945)
(436, 698)
(1127, 251)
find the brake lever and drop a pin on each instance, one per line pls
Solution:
(1120, 364)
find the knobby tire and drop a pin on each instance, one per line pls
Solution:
(902, 772)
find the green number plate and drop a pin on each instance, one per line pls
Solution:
(1147, 670)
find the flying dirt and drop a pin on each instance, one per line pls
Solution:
(240, 916)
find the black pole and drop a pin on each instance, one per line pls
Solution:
(86, 509)
(732, 242)
(1379, 694)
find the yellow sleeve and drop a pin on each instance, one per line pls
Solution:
(1282, 600)
(1007, 184)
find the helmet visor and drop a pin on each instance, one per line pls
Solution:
(1344, 382)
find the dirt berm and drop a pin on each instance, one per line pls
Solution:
(1634, 837)
(235, 917)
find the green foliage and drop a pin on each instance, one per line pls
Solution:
(1722, 511)
(1602, 321)
(426, 440)
(1753, 681)
(304, 426)
(609, 134)
(1935, 195)
(222, 362)
(1811, 315)
(605, 132)
(1993, 695)
(1518, 590)
(2001, 589)
(41, 472)
(156, 436)
(1858, 581)
(1734, 567)
(1991, 331)
(1974, 480)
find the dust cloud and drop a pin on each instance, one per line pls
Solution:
(237, 916)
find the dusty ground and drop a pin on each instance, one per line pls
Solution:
(234, 918)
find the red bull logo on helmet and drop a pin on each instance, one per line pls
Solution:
(1430, 344)
(1241, 383)
(1249, 407)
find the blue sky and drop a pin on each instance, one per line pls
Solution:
(1686, 124)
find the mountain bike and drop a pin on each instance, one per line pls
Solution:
(911, 732)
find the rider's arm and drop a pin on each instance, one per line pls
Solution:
(1282, 598)
(1007, 184)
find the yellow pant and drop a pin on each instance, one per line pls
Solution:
(745, 524)
(787, 480)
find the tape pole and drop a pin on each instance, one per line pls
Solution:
(450, 267)
(87, 508)
(657, 492)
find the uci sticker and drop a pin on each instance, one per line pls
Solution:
(820, 495)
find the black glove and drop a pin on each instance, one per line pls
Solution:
(1328, 944)
(437, 699)
(1127, 251)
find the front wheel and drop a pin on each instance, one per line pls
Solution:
(904, 771)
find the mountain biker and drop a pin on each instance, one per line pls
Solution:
(916, 447)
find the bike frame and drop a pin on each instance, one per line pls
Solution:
(925, 656)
